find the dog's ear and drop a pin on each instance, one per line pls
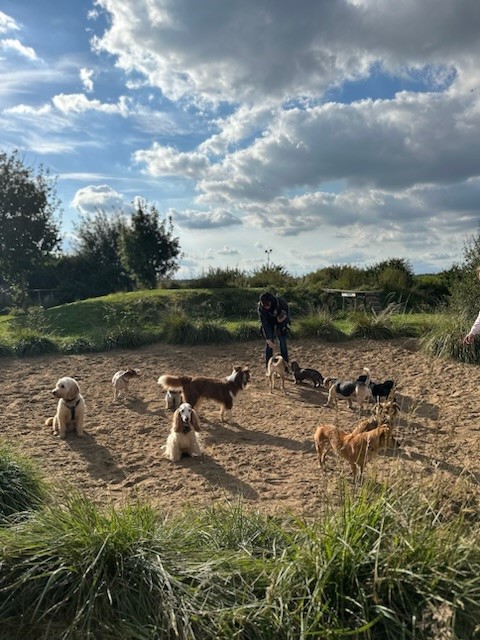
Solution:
(75, 387)
(177, 422)
(195, 421)
(237, 368)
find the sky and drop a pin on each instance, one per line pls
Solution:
(303, 134)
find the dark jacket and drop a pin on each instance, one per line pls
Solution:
(274, 319)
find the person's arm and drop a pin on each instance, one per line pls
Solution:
(473, 331)
(267, 328)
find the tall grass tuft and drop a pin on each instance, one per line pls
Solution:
(445, 340)
(21, 486)
(122, 329)
(246, 330)
(318, 325)
(79, 345)
(75, 572)
(372, 326)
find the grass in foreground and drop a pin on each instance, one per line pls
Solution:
(390, 563)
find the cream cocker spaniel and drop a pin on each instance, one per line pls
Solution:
(183, 434)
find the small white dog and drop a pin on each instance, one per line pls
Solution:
(276, 368)
(70, 408)
(173, 399)
(121, 380)
(183, 434)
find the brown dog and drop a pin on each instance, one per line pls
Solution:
(276, 368)
(221, 391)
(356, 449)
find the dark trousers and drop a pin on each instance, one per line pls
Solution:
(282, 343)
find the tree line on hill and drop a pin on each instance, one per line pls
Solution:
(123, 252)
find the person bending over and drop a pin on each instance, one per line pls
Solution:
(274, 318)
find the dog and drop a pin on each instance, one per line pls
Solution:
(70, 408)
(383, 414)
(347, 388)
(356, 449)
(276, 368)
(380, 390)
(183, 434)
(195, 389)
(300, 374)
(173, 399)
(121, 379)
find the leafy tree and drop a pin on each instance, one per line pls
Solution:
(28, 231)
(97, 266)
(148, 249)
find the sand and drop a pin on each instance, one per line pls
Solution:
(263, 456)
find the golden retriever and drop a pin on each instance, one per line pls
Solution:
(183, 434)
(355, 448)
(276, 368)
(70, 408)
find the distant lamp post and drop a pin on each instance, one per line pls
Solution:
(268, 252)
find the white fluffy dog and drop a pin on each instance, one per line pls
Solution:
(70, 408)
(183, 434)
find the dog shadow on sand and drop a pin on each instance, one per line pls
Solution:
(101, 464)
(216, 475)
(250, 436)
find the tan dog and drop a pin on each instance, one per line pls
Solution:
(70, 408)
(356, 449)
(183, 434)
(276, 368)
(121, 380)
(383, 414)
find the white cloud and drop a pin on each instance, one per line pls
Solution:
(7, 23)
(86, 76)
(18, 47)
(79, 103)
(228, 251)
(101, 197)
(190, 219)
(165, 161)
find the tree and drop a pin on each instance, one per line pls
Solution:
(148, 249)
(28, 231)
(97, 255)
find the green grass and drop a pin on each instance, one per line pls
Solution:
(383, 565)
(217, 316)
(21, 486)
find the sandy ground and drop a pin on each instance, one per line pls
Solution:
(264, 455)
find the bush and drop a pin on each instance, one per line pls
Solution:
(28, 343)
(79, 345)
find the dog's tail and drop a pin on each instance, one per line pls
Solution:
(367, 379)
(49, 422)
(174, 382)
